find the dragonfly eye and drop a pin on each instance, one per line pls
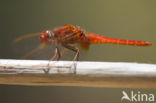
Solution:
(46, 36)
(49, 35)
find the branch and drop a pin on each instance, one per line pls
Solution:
(69, 73)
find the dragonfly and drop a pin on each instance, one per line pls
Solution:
(70, 34)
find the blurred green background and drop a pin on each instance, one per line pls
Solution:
(41, 94)
(123, 19)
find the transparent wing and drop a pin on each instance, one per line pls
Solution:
(26, 36)
(39, 48)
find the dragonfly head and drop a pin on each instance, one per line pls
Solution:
(46, 36)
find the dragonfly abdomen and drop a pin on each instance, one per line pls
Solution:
(98, 39)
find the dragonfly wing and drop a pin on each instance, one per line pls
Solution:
(84, 46)
(40, 47)
(26, 36)
(84, 43)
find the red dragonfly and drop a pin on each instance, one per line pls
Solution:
(69, 34)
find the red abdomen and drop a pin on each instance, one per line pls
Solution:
(98, 39)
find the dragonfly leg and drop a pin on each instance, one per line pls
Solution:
(73, 48)
(57, 54)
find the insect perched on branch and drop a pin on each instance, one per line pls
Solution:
(69, 34)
